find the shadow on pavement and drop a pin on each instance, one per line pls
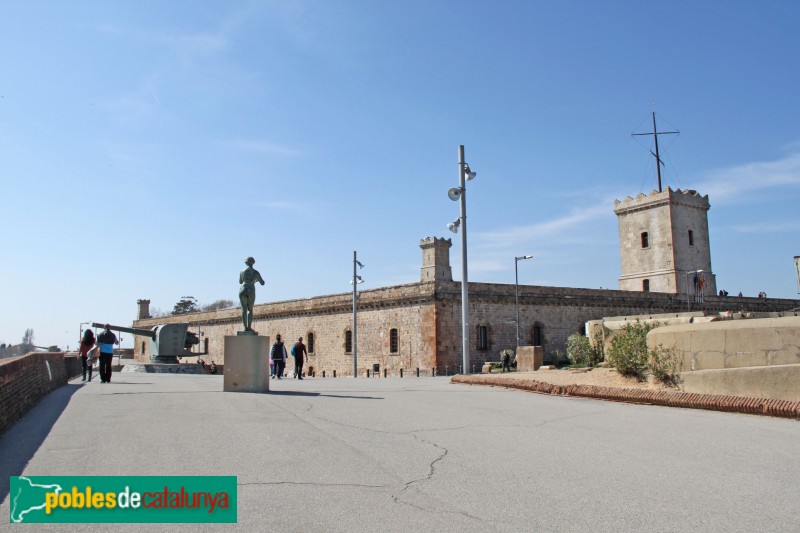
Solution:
(21, 441)
(298, 393)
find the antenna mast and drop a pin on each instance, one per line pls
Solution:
(655, 134)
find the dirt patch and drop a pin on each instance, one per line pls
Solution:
(601, 377)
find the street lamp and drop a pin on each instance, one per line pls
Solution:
(797, 270)
(460, 194)
(80, 331)
(516, 288)
(688, 305)
(355, 281)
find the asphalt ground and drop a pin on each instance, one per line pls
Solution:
(417, 454)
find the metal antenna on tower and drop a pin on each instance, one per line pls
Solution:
(655, 134)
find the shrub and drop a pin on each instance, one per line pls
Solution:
(579, 349)
(628, 352)
(663, 363)
(556, 358)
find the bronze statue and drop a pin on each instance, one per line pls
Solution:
(247, 292)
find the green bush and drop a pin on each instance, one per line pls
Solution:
(628, 352)
(556, 358)
(663, 364)
(579, 349)
(581, 352)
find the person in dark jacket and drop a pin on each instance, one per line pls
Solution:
(278, 354)
(106, 341)
(299, 358)
(87, 342)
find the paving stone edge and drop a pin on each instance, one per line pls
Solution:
(733, 404)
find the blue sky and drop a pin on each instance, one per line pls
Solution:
(147, 148)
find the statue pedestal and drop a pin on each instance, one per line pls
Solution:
(246, 363)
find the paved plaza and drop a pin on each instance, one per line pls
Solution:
(417, 454)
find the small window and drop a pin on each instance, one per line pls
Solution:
(393, 344)
(310, 346)
(691, 238)
(483, 338)
(645, 240)
(142, 347)
(646, 285)
(348, 341)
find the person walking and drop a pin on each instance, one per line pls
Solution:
(87, 342)
(278, 355)
(506, 359)
(106, 340)
(299, 357)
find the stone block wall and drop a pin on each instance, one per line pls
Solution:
(407, 308)
(427, 316)
(25, 380)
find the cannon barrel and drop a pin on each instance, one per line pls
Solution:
(135, 331)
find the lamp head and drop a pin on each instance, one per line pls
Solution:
(469, 174)
(454, 193)
(453, 226)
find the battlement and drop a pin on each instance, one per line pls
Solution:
(684, 197)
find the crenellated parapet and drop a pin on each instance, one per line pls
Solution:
(683, 197)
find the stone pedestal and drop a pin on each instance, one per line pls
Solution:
(529, 358)
(246, 363)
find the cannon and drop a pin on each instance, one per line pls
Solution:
(167, 341)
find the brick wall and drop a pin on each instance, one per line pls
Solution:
(25, 380)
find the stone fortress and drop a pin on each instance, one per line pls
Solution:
(666, 266)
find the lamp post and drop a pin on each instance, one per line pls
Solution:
(688, 305)
(797, 270)
(356, 280)
(80, 331)
(456, 194)
(516, 288)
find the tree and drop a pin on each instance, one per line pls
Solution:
(187, 304)
(27, 341)
(219, 304)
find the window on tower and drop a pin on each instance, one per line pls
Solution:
(645, 240)
(646, 285)
(691, 238)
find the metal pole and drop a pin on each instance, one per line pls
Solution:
(355, 323)
(516, 294)
(464, 279)
(797, 269)
(658, 158)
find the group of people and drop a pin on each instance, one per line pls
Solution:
(278, 357)
(88, 351)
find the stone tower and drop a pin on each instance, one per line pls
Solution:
(144, 309)
(435, 259)
(663, 241)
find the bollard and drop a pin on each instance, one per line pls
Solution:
(334, 373)
(433, 372)
(385, 372)
(323, 373)
(459, 369)
(446, 370)
(473, 369)
(417, 371)
(401, 372)
(368, 372)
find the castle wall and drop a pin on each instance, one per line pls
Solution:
(428, 319)
(407, 308)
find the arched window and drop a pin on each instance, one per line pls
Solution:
(348, 341)
(310, 346)
(537, 335)
(393, 341)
